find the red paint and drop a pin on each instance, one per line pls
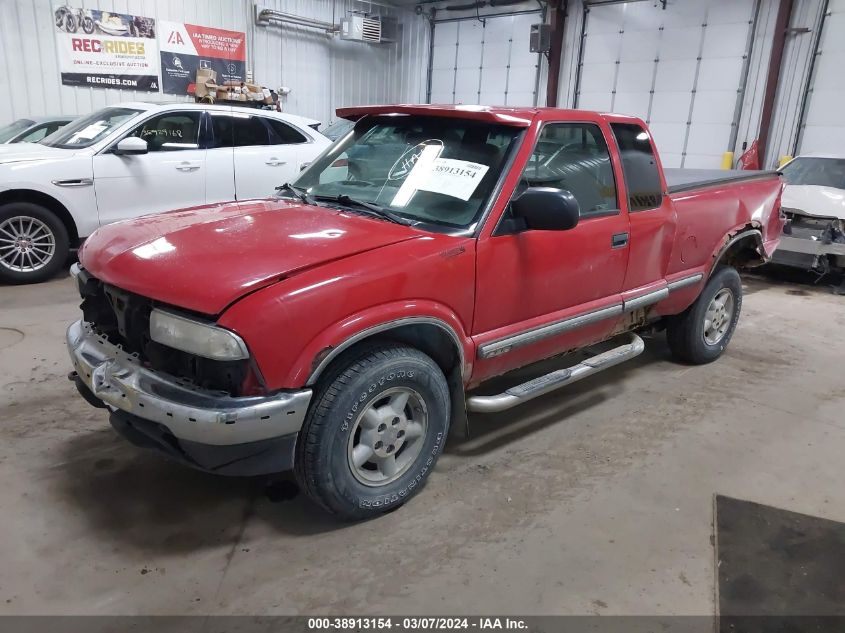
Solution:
(750, 159)
(295, 281)
(204, 258)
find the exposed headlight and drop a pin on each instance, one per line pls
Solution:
(202, 339)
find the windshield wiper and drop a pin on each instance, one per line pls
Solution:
(299, 192)
(373, 209)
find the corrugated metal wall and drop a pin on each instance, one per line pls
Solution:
(323, 73)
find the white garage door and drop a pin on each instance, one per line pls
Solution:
(823, 128)
(680, 69)
(485, 62)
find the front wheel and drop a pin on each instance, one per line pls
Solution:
(33, 243)
(88, 25)
(374, 432)
(701, 333)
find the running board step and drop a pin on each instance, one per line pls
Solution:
(556, 379)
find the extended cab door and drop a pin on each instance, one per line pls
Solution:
(540, 293)
(651, 213)
(171, 175)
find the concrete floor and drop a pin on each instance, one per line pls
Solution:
(597, 499)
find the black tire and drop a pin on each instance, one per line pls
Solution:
(70, 23)
(335, 423)
(686, 332)
(88, 25)
(58, 235)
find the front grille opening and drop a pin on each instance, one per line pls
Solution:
(123, 318)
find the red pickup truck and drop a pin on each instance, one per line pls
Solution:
(342, 327)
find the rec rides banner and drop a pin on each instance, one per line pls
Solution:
(188, 47)
(106, 50)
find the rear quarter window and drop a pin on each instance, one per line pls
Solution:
(639, 165)
(284, 134)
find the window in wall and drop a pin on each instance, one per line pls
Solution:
(574, 156)
(642, 178)
(170, 131)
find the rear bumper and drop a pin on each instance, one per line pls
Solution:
(189, 414)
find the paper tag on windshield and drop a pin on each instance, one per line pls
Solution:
(91, 131)
(451, 177)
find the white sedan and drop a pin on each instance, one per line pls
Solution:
(814, 204)
(133, 159)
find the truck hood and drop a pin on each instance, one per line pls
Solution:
(815, 200)
(205, 258)
(17, 152)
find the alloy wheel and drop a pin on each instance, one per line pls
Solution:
(388, 436)
(26, 244)
(717, 318)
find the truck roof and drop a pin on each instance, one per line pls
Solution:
(507, 115)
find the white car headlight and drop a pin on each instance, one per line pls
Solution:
(202, 339)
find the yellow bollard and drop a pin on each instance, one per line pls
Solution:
(783, 160)
(728, 160)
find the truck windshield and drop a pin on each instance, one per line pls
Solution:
(825, 172)
(90, 129)
(433, 170)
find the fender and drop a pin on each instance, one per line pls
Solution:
(686, 291)
(734, 236)
(55, 202)
(332, 341)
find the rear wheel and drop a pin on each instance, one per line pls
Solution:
(701, 333)
(33, 243)
(374, 432)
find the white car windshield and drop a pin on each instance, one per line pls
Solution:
(825, 172)
(10, 131)
(419, 169)
(90, 129)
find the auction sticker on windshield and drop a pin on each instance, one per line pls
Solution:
(452, 177)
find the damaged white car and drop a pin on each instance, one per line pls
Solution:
(814, 203)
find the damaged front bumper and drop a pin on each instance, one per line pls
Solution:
(206, 429)
(812, 243)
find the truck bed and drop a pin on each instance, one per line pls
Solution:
(678, 180)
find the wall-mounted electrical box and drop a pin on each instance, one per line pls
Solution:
(541, 38)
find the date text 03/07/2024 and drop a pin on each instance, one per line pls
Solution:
(417, 623)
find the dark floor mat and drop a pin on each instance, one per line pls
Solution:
(771, 562)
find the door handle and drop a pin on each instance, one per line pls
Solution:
(186, 166)
(619, 240)
(275, 162)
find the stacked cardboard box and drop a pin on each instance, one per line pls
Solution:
(206, 83)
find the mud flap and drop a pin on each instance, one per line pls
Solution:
(459, 420)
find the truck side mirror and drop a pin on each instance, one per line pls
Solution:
(546, 209)
(130, 145)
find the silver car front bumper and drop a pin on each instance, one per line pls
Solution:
(189, 413)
